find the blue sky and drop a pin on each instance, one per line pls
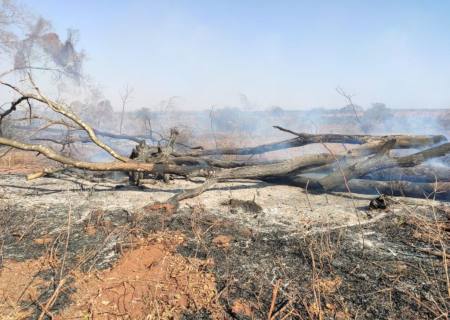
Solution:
(287, 53)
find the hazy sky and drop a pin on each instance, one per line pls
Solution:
(287, 53)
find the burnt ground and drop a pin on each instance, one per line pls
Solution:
(77, 249)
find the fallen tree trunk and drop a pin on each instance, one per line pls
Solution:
(419, 173)
(167, 166)
(219, 163)
(330, 182)
(402, 142)
(438, 190)
(346, 168)
(379, 162)
(280, 168)
(53, 155)
(155, 168)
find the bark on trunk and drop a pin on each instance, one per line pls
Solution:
(402, 142)
(380, 162)
(420, 173)
(439, 190)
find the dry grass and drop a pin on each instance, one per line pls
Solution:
(18, 284)
(150, 281)
(16, 161)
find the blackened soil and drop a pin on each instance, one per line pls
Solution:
(375, 271)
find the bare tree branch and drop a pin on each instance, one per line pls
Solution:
(349, 99)
(124, 97)
(59, 108)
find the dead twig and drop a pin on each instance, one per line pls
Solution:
(274, 299)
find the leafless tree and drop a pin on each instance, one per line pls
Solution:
(125, 97)
(349, 98)
(29, 43)
(146, 116)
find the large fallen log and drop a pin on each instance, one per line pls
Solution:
(295, 164)
(276, 169)
(420, 173)
(438, 190)
(261, 170)
(330, 182)
(343, 171)
(402, 142)
(342, 179)
(379, 162)
(155, 168)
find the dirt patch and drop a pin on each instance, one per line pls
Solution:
(222, 241)
(242, 307)
(20, 285)
(150, 281)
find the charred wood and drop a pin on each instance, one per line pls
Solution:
(402, 142)
(379, 162)
(438, 190)
(419, 173)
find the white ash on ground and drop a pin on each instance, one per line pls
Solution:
(285, 208)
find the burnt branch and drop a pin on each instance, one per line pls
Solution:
(64, 111)
(382, 161)
(12, 108)
(368, 160)
(438, 190)
(401, 141)
(302, 139)
(97, 166)
(420, 173)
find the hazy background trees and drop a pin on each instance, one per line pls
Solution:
(28, 42)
